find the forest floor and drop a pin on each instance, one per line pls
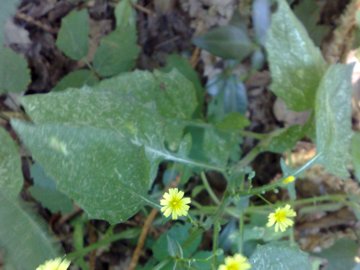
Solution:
(167, 27)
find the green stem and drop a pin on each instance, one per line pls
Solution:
(242, 132)
(263, 189)
(204, 210)
(241, 232)
(250, 134)
(249, 157)
(217, 227)
(264, 199)
(209, 189)
(128, 234)
(336, 197)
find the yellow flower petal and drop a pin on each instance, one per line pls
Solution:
(55, 264)
(289, 179)
(281, 218)
(175, 204)
(236, 262)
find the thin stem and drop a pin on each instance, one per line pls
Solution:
(242, 132)
(336, 197)
(251, 134)
(279, 183)
(264, 199)
(208, 188)
(241, 232)
(128, 234)
(217, 226)
(203, 210)
(249, 157)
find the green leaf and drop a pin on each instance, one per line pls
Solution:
(24, 241)
(229, 95)
(103, 172)
(45, 191)
(333, 119)
(146, 112)
(202, 260)
(355, 151)
(172, 94)
(77, 78)
(341, 255)
(275, 256)
(233, 122)
(11, 178)
(14, 72)
(308, 11)
(117, 53)
(228, 42)
(125, 15)
(182, 64)
(73, 37)
(8, 9)
(187, 239)
(213, 146)
(284, 139)
(174, 248)
(296, 65)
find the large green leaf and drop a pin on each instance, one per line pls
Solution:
(8, 8)
(103, 172)
(135, 103)
(25, 243)
(341, 255)
(229, 42)
(333, 119)
(11, 178)
(14, 72)
(73, 37)
(77, 78)
(276, 256)
(44, 190)
(355, 151)
(296, 65)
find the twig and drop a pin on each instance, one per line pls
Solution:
(140, 244)
(147, 224)
(70, 216)
(143, 9)
(92, 239)
(194, 60)
(31, 20)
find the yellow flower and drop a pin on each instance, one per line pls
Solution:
(281, 218)
(289, 179)
(55, 264)
(237, 262)
(174, 203)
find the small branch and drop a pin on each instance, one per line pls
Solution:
(144, 232)
(66, 218)
(141, 241)
(93, 239)
(209, 189)
(194, 60)
(31, 20)
(143, 9)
